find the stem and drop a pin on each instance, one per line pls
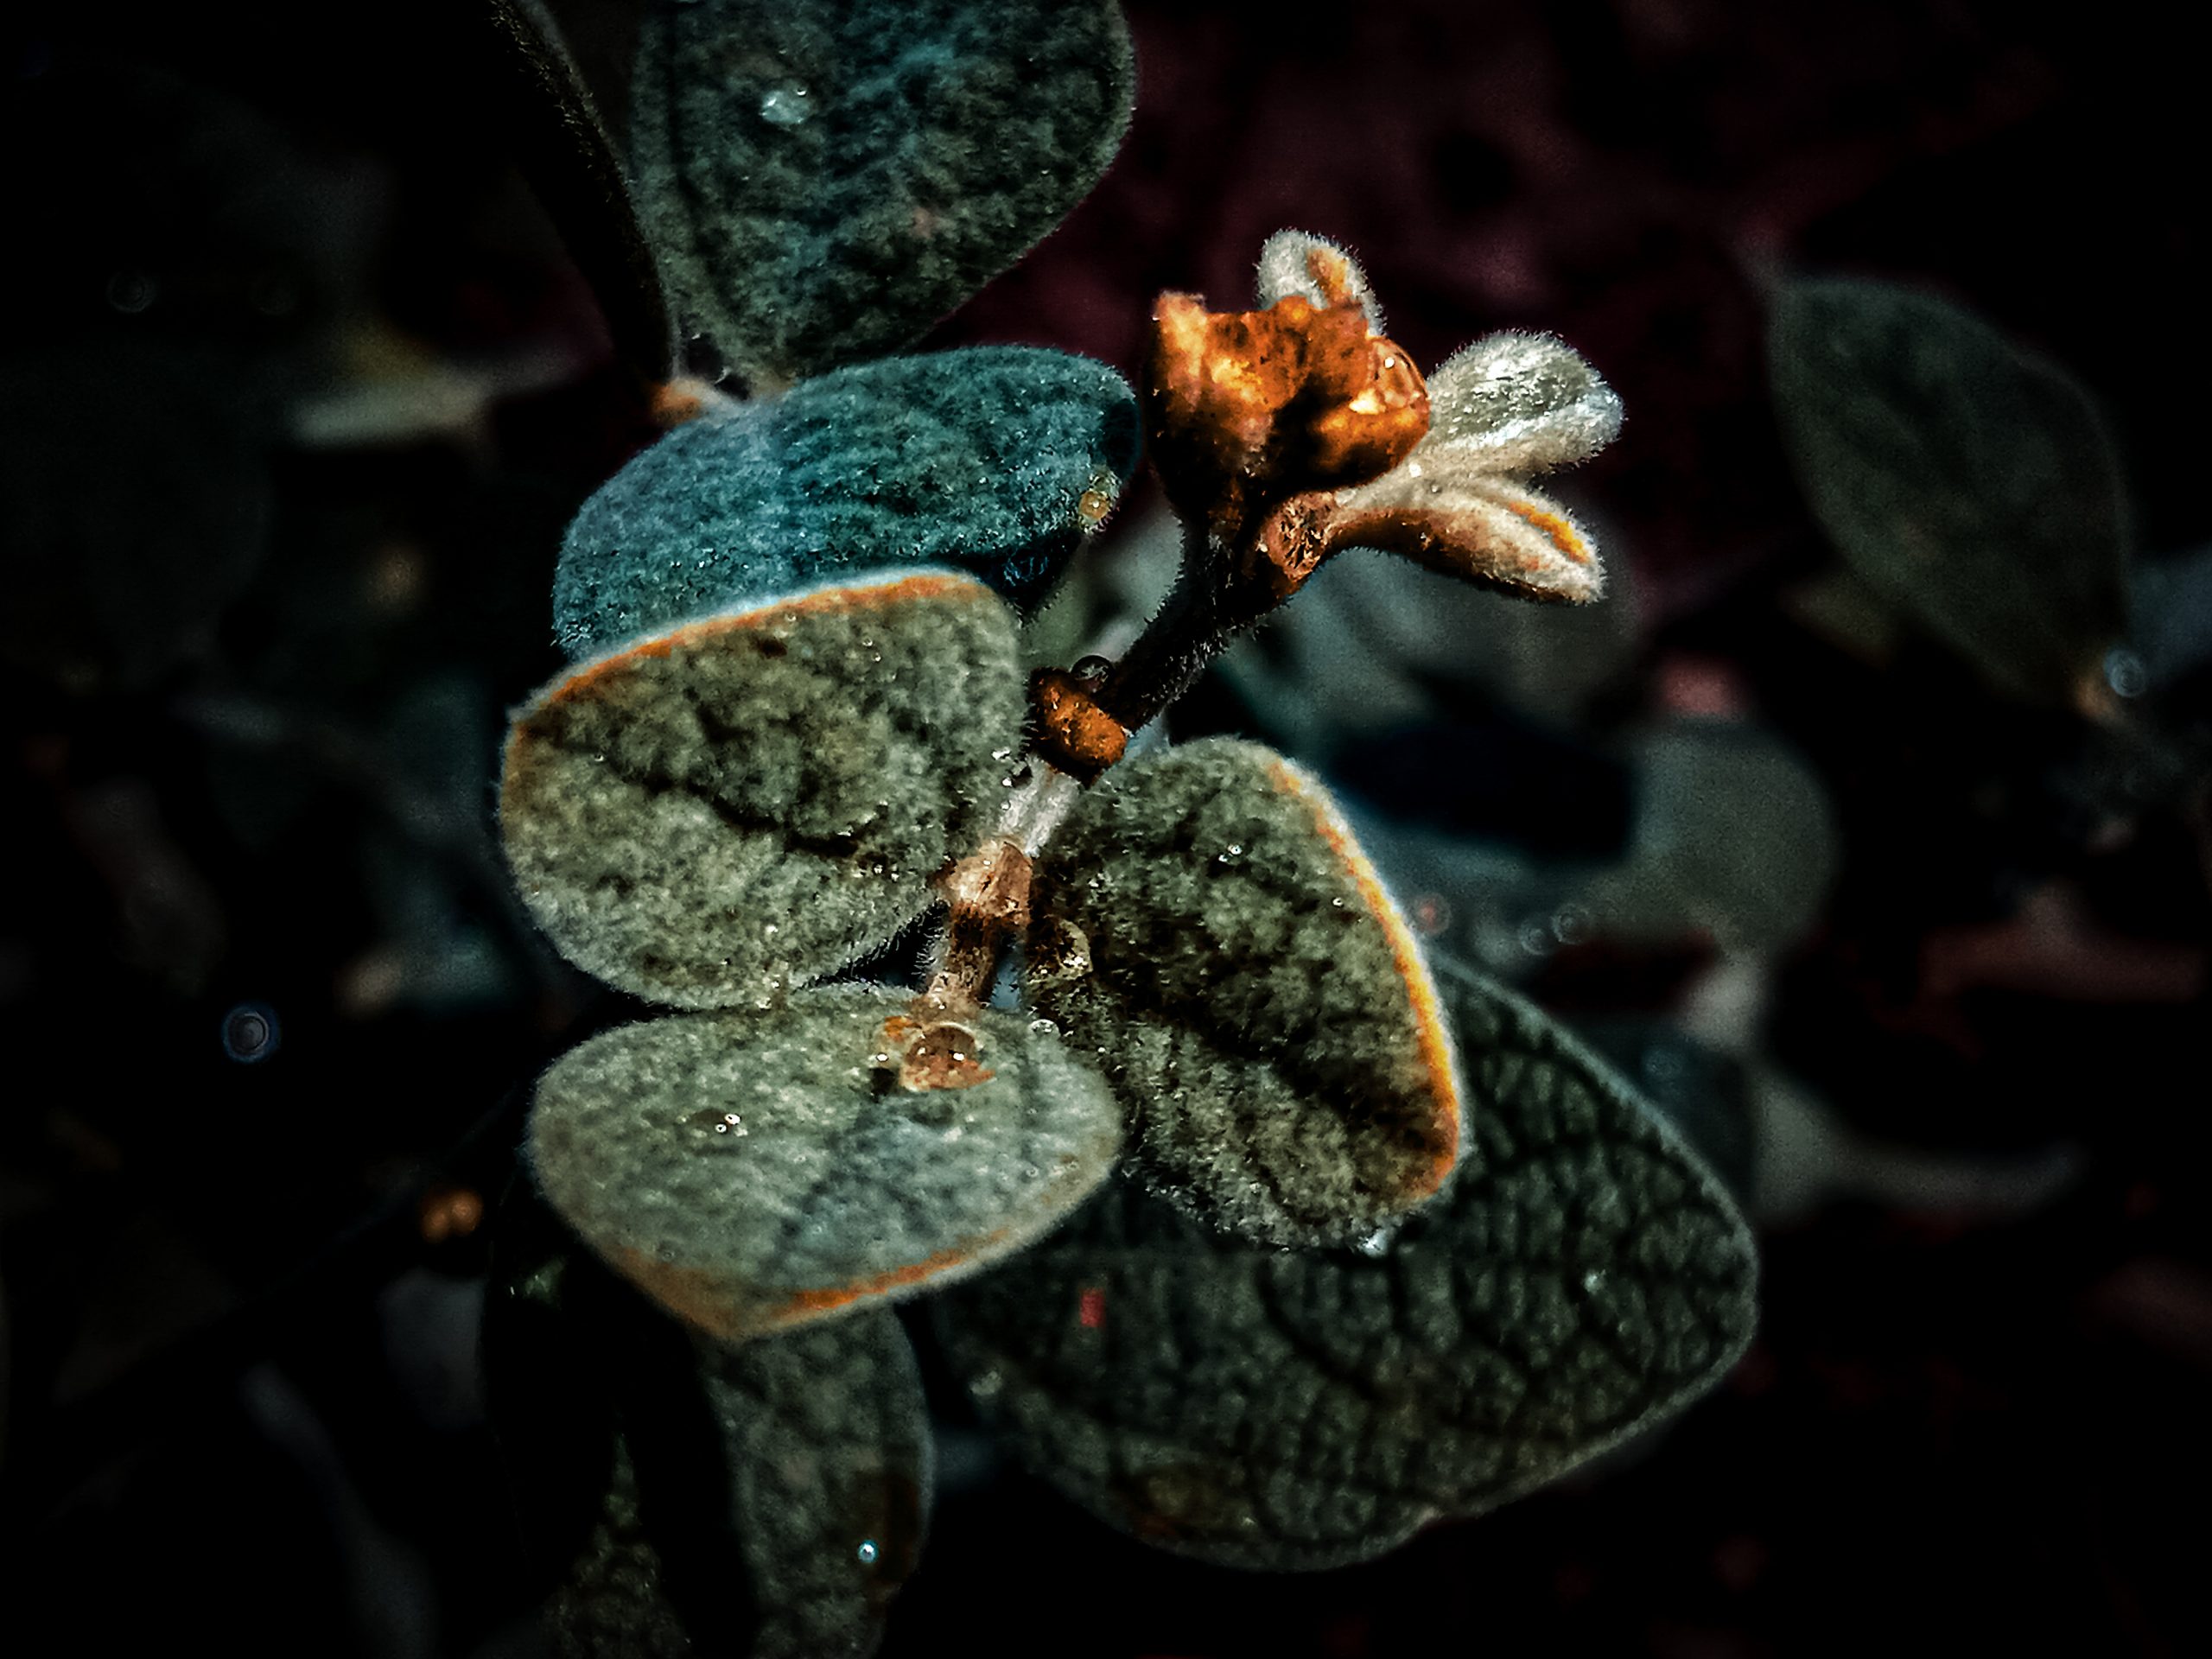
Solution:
(1192, 627)
(1222, 590)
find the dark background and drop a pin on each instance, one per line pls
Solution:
(299, 389)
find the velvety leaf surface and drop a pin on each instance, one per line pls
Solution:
(994, 459)
(767, 1498)
(1206, 925)
(1969, 483)
(752, 1171)
(761, 798)
(825, 180)
(1447, 511)
(1520, 403)
(1582, 1277)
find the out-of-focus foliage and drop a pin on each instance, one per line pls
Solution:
(1970, 482)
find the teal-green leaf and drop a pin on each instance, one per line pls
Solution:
(755, 1171)
(994, 461)
(758, 799)
(1582, 1278)
(1205, 924)
(824, 180)
(1967, 481)
(767, 1498)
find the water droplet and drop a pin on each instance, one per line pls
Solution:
(1378, 1243)
(1091, 670)
(1337, 904)
(785, 106)
(866, 1551)
(770, 929)
(1593, 1281)
(249, 1034)
(131, 291)
(1571, 924)
(1045, 1027)
(1535, 936)
(2125, 673)
(1002, 754)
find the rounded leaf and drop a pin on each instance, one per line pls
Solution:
(1582, 1277)
(752, 1171)
(759, 799)
(826, 178)
(994, 461)
(1967, 482)
(1206, 925)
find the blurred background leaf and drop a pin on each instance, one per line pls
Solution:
(1970, 482)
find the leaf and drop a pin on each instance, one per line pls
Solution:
(826, 180)
(753, 1171)
(767, 1498)
(1444, 510)
(994, 459)
(1582, 1278)
(1520, 403)
(1734, 838)
(1968, 482)
(1205, 923)
(1511, 404)
(761, 798)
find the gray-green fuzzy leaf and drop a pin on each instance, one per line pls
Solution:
(981, 459)
(1968, 482)
(755, 1171)
(758, 799)
(1207, 926)
(825, 180)
(1583, 1277)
